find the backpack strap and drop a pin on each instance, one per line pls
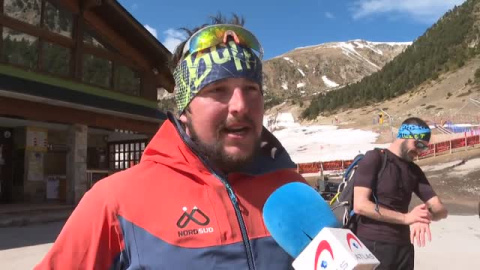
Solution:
(383, 152)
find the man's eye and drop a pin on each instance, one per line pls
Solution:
(214, 90)
(218, 90)
(253, 88)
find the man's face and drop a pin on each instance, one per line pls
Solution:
(409, 150)
(225, 119)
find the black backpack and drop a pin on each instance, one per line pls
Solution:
(342, 203)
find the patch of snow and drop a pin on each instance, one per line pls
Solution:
(392, 43)
(329, 82)
(300, 85)
(440, 167)
(288, 59)
(301, 72)
(349, 50)
(306, 47)
(464, 169)
(320, 142)
(285, 85)
(368, 45)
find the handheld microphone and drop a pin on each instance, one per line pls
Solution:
(302, 223)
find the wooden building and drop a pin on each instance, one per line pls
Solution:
(78, 95)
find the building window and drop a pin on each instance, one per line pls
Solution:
(91, 38)
(127, 80)
(96, 70)
(88, 38)
(123, 155)
(23, 10)
(20, 48)
(58, 20)
(55, 59)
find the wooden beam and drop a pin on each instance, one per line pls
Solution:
(70, 5)
(1, 28)
(77, 35)
(10, 107)
(118, 42)
(114, 57)
(40, 40)
(35, 31)
(166, 81)
(76, 41)
(88, 4)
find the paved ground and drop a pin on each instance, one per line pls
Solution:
(22, 248)
(454, 245)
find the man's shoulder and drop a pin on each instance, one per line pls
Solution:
(131, 177)
(373, 156)
(415, 169)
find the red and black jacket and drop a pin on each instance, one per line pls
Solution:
(173, 211)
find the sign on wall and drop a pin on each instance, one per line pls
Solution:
(35, 166)
(37, 139)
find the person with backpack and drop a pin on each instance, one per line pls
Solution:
(382, 191)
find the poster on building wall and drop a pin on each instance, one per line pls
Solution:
(37, 139)
(35, 166)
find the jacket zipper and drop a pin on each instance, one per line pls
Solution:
(231, 194)
(241, 222)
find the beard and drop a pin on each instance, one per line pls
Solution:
(216, 153)
(404, 152)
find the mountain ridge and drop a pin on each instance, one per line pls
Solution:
(311, 70)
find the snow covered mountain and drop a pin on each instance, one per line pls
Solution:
(310, 70)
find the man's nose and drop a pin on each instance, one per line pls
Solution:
(238, 102)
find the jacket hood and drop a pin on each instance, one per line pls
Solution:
(172, 147)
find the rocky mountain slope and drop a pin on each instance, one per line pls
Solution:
(311, 70)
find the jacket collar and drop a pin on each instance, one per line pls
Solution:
(172, 146)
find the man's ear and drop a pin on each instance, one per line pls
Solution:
(183, 118)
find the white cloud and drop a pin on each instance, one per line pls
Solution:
(329, 15)
(427, 11)
(173, 38)
(152, 30)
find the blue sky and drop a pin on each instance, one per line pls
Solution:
(282, 25)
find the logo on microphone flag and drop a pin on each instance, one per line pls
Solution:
(324, 254)
(335, 248)
(353, 241)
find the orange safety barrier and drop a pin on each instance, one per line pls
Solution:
(442, 147)
(312, 167)
(332, 165)
(347, 163)
(434, 149)
(457, 143)
(431, 151)
(472, 140)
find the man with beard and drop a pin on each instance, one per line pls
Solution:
(382, 200)
(195, 200)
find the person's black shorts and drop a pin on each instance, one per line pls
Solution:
(392, 256)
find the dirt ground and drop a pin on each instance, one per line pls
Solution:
(460, 191)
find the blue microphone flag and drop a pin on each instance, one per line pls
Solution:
(294, 214)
